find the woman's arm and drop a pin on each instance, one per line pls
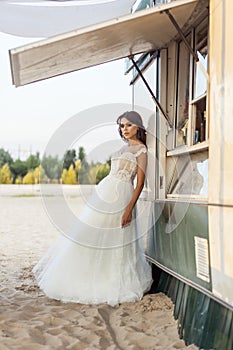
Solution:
(141, 171)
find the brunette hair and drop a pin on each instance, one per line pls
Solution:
(136, 119)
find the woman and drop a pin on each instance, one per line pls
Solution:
(103, 261)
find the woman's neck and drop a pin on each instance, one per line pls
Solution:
(134, 142)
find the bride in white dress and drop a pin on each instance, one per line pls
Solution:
(103, 262)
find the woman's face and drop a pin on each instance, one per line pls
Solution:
(128, 129)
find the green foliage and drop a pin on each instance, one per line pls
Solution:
(81, 154)
(69, 159)
(71, 169)
(33, 161)
(5, 158)
(52, 167)
(18, 168)
(5, 174)
(82, 173)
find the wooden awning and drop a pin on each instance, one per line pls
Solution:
(143, 31)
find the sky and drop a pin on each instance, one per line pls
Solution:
(31, 114)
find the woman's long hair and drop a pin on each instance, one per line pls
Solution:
(136, 119)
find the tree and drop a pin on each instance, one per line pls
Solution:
(5, 174)
(69, 159)
(18, 180)
(33, 161)
(103, 170)
(69, 176)
(84, 169)
(83, 174)
(77, 168)
(5, 157)
(78, 165)
(81, 154)
(43, 178)
(36, 174)
(97, 172)
(28, 179)
(52, 167)
(92, 174)
(19, 168)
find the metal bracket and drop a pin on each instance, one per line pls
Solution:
(179, 30)
(151, 92)
(189, 47)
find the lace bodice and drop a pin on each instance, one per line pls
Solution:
(124, 162)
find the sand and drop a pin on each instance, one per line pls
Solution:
(29, 320)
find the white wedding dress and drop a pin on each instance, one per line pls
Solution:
(101, 262)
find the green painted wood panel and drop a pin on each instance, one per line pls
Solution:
(171, 241)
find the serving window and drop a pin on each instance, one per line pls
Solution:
(191, 124)
(187, 151)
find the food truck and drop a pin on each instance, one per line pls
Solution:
(179, 53)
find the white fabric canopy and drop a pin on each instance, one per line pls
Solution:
(44, 18)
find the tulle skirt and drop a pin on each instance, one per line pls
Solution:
(98, 261)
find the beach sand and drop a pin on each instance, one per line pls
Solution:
(31, 321)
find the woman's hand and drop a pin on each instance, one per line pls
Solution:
(126, 218)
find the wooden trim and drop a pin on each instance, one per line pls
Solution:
(179, 151)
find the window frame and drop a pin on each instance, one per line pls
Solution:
(191, 145)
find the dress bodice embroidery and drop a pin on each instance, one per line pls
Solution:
(124, 162)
